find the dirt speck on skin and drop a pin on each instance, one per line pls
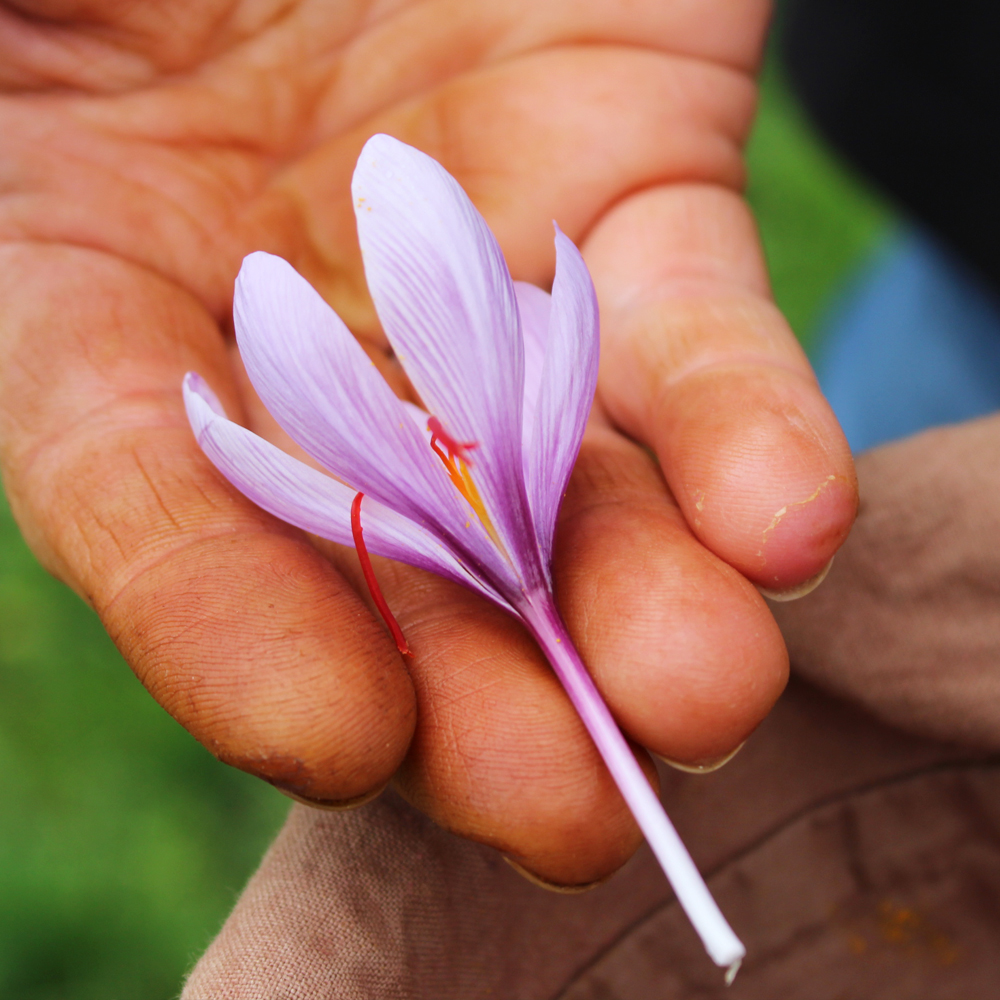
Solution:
(779, 514)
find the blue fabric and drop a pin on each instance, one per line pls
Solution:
(914, 343)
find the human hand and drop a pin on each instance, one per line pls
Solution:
(148, 147)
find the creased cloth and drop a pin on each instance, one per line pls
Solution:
(855, 862)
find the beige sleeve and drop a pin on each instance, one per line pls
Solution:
(853, 860)
(908, 621)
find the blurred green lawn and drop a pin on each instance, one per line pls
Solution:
(122, 842)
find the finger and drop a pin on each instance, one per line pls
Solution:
(233, 621)
(699, 365)
(185, 172)
(680, 644)
(424, 44)
(682, 647)
(499, 754)
(615, 119)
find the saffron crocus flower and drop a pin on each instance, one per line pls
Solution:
(469, 487)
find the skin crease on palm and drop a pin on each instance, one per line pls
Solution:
(147, 146)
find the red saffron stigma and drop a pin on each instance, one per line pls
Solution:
(453, 447)
(369, 572)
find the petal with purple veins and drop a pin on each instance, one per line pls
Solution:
(306, 498)
(569, 379)
(446, 302)
(535, 306)
(318, 383)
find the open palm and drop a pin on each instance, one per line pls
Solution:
(148, 146)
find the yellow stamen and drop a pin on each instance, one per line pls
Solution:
(462, 480)
(468, 489)
(461, 477)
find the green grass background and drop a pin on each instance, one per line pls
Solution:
(123, 843)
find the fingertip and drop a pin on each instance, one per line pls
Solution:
(589, 831)
(805, 535)
(761, 469)
(681, 645)
(571, 836)
(500, 755)
(569, 871)
(258, 647)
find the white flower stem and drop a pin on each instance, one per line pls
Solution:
(722, 945)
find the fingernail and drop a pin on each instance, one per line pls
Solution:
(702, 766)
(566, 890)
(331, 805)
(794, 593)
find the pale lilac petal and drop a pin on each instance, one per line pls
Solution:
(306, 498)
(446, 301)
(535, 306)
(419, 417)
(318, 383)
(569, 379)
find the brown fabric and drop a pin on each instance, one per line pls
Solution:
(908, 621)
(855, 861)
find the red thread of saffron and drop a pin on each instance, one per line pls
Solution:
(455, 448)
(369, 572)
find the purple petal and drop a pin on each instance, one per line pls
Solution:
(318, 383)
(446, 301)
(302, 496)
(569, 379)
(418, 416)
(535, 307)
